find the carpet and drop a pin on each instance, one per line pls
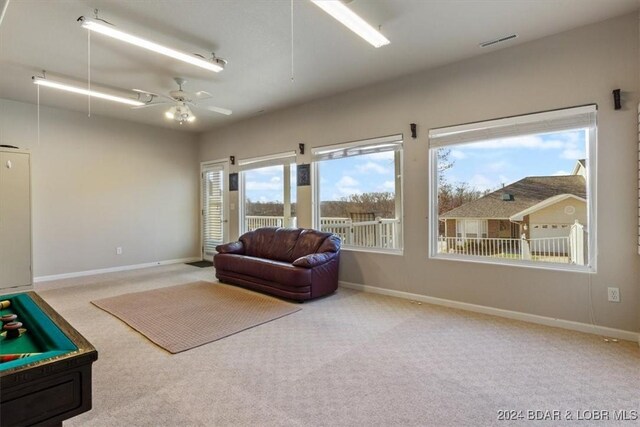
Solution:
(200, 264)
(179, 318)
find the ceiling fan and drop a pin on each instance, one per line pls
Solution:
(181, 102)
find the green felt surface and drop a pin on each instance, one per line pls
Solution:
(41, 336)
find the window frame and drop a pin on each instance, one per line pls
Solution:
(591, 184)
(284, 159)
(398, 139)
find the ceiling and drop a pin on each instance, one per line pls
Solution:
(255, 37)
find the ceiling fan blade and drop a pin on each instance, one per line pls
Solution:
(203, 94)
(157, 95)
(146, 92)
(219, 110)
(152, 104)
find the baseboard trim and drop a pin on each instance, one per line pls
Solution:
(112, 269)
(516, 315)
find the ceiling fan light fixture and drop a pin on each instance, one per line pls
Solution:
(81, 91)
(351, 20)
(180, 113)
(108, 30)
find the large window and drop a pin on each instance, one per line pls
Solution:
(518, 190)
(268, 192)
(358, 192)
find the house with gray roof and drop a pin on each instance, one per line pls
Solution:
(535, 207)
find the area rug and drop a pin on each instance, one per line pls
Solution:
(182, 317)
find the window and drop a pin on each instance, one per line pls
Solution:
(358, 192)
(518, 190)
(268, 192)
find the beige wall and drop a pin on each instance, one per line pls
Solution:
(573, 68)
(100, 183)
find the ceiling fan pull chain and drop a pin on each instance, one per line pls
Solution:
(89, 69)
(38, 110)
(292, 41)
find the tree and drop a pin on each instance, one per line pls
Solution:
(444, 163)
(451, 196)
(382, 204)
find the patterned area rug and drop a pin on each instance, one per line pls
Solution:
(182, 317)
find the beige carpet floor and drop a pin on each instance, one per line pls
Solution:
(352, 359)
(182, 317)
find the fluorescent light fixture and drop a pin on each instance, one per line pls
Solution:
(92, 93)
(352, 21)
(109, 30)
(4, 5)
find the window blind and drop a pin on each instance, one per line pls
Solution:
(266, 161)
(530, 124)
(358, 148)
(212, 207)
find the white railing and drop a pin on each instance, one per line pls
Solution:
(379, 233)
(548, 249)
(495, 247)
(253, 222)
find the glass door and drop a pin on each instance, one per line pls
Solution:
(215, 225)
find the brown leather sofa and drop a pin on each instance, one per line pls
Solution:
(292, 263)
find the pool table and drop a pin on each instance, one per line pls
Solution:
(45, 365)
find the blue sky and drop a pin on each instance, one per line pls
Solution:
(356, 175)
(489, 164)
(483, 165)
(267, 184)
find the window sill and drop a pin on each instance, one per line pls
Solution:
(397, 252)
(572, 268)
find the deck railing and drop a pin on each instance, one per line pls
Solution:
(548, 249)
(253, 222)
(378, 233)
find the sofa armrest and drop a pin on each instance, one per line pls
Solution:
(231, 248)
(314, 260)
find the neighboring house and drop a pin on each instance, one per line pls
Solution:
(534, 207)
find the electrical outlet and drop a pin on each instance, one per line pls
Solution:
(613, 294)
(119, 250)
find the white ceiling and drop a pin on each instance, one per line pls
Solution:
(255, 37)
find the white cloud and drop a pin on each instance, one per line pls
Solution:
(561, 173)
(346, 186)
(573, 154)
(458, 154)
(372, 167)
(388, 186)
(275, 179)
(482, 183)
(269, 170)
(347, 181)
(385, 155)
(263, 186)
(498, 166)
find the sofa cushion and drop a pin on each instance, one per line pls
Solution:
(274, 271)
(258, 242)
(309, 242)
(284, 242)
